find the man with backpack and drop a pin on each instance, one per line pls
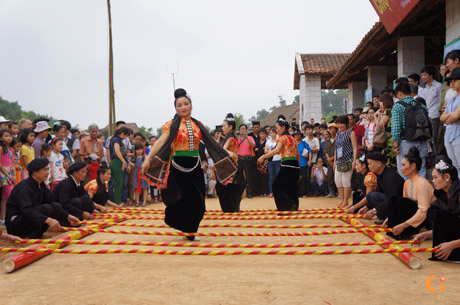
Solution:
(410, 126)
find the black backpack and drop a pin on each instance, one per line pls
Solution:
(418, 126)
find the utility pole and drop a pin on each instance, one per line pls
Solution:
(111, 88)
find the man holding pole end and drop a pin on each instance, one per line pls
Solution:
(30, 210)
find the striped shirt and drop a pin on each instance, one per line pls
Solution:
(344, 142)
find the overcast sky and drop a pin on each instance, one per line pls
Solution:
(233, 56)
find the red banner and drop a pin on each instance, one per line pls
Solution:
(392, 12)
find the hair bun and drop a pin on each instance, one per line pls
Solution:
(103, 164)
(281, 118)
(413, 152)
(229, 115)
(179, 93)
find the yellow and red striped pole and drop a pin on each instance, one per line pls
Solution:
(22, 259)
(246, 234)
(407, 258)
(332, 216)
(207, 245)
(221, 252)
(236, 225)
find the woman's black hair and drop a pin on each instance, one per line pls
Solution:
(444, 165)
(180, 93)
(363, 159)
(231, 121)
(282, 121)
(55, 140)
(57, 128)
(24, 134)
(122, 130)
(343, 119)
(3, 145)
(14, 141)
(138, 146)
(44, 147)
(103, 168)
(140, 135)
(453, 55)
(413, 156)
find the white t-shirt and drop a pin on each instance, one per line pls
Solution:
(58, 166)
(271, 146)
(314, 144)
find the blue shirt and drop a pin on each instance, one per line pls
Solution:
(303, 161)
(452, 131)
(115, 139)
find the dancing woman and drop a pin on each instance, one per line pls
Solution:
(230, 194)
(285, 186)
(183, 182)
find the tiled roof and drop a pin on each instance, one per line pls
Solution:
(378, 27)
(325, 65)
(320, 64)
(290, 112)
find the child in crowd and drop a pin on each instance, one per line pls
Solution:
(140, 186)
(93, 166)
(318, 177)
(56, 159)
(14, 128)
(17, 159)
(45, 152)
(27, 152)
(7, 172)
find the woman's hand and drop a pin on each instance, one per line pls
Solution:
(397, 230)
(350, 209)
(370, 214)
(420, 238)
(261, 159)
(363, 210)
(87, 216)
(145, 166)
(444, 250)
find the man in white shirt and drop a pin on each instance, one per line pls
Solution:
(432, 95)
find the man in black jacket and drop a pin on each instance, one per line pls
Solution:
(389, 183)
(71, 194)
(30, 210)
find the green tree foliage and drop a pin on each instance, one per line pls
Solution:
(239, 119)
(282, 101)
(296, 99)
(261, 114)
(147, 132)
(330, 115)
(13, 111)
(332, 102)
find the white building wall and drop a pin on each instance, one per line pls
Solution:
(411, 55)
(356, 92)
(452, 20)
(310, 98)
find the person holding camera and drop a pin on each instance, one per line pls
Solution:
(246, 145)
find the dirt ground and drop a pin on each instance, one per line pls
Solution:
(258, 279)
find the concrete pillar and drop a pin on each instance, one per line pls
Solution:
(452, 20)
(310, 97)
(377, 78)
(411, 55)
(356, 94)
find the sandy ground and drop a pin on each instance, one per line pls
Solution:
(155, 279)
